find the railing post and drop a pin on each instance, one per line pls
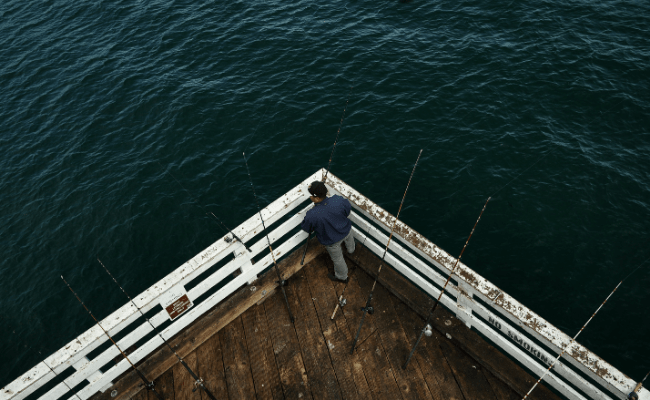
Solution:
(464, 303)
(81, 364)
(241, 251)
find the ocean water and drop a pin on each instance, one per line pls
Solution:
(99, 98)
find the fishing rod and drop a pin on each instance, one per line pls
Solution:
(281, 281)
(337, 135)
(368, 308)
(427, 328)
(198, 382)
(228, 240)
(342, 301)
(148, 384)
(633, 393)
(328, 167)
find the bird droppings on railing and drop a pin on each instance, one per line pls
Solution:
(518, 313)
(471, 286)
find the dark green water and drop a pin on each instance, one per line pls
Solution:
(95, 95)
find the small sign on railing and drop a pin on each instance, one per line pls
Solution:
(175, 301)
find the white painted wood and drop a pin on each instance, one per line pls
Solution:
(399, 266)
(242, 252)
(464, 304)
(414, 262)
(209, 282)
(28, 383)
(584, 359)
(186, 272)
(541, 354)
(186, 319)
(526, 360)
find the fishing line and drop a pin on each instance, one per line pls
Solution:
(255, 131)
(337, 134)
(426, 323)
(55, 374)
(228, 240)
(328, 167)
(281, 281)
(523, 172)
(198, 382)
(367, 307)
(583, 327)
(148, 384)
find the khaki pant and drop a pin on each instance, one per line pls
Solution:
(335, 251)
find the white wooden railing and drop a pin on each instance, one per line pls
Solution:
(508, 324)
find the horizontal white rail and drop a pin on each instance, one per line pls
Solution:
(76, 352)
(504, 321)
(567, 375)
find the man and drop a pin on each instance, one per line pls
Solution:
(329, 219)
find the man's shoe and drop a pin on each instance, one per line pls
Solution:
(335, 279)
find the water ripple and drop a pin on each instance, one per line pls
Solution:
(96, 95)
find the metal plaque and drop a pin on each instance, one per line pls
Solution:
(175, 301)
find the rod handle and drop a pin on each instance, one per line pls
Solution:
(337, 307)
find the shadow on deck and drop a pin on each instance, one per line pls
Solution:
(261, 354)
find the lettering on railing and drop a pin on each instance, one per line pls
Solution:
(520, 341)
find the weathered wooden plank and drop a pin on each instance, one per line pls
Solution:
(210, 365)
(236, 361)
(466, 339)
(500, 389)
(164, 385)
(348, 368)
(437, 372)
(265, 372)
(141, 395)
(410, 381)
(370, 350)
(467, 373)
(286, 348)
(202, 329)
(183, 381)
(322, 379)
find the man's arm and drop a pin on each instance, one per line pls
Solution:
(347, 207)
(306, 225)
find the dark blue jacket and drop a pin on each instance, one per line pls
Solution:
(329, 219)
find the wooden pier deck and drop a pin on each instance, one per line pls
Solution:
(260, 354)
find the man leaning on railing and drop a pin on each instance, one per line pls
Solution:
(329, 219)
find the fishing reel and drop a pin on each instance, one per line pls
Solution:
(369, 309)
(283, 282)
(150, 387)
(633, 396)
(427, 331)
(197, 384)
(342, 303)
